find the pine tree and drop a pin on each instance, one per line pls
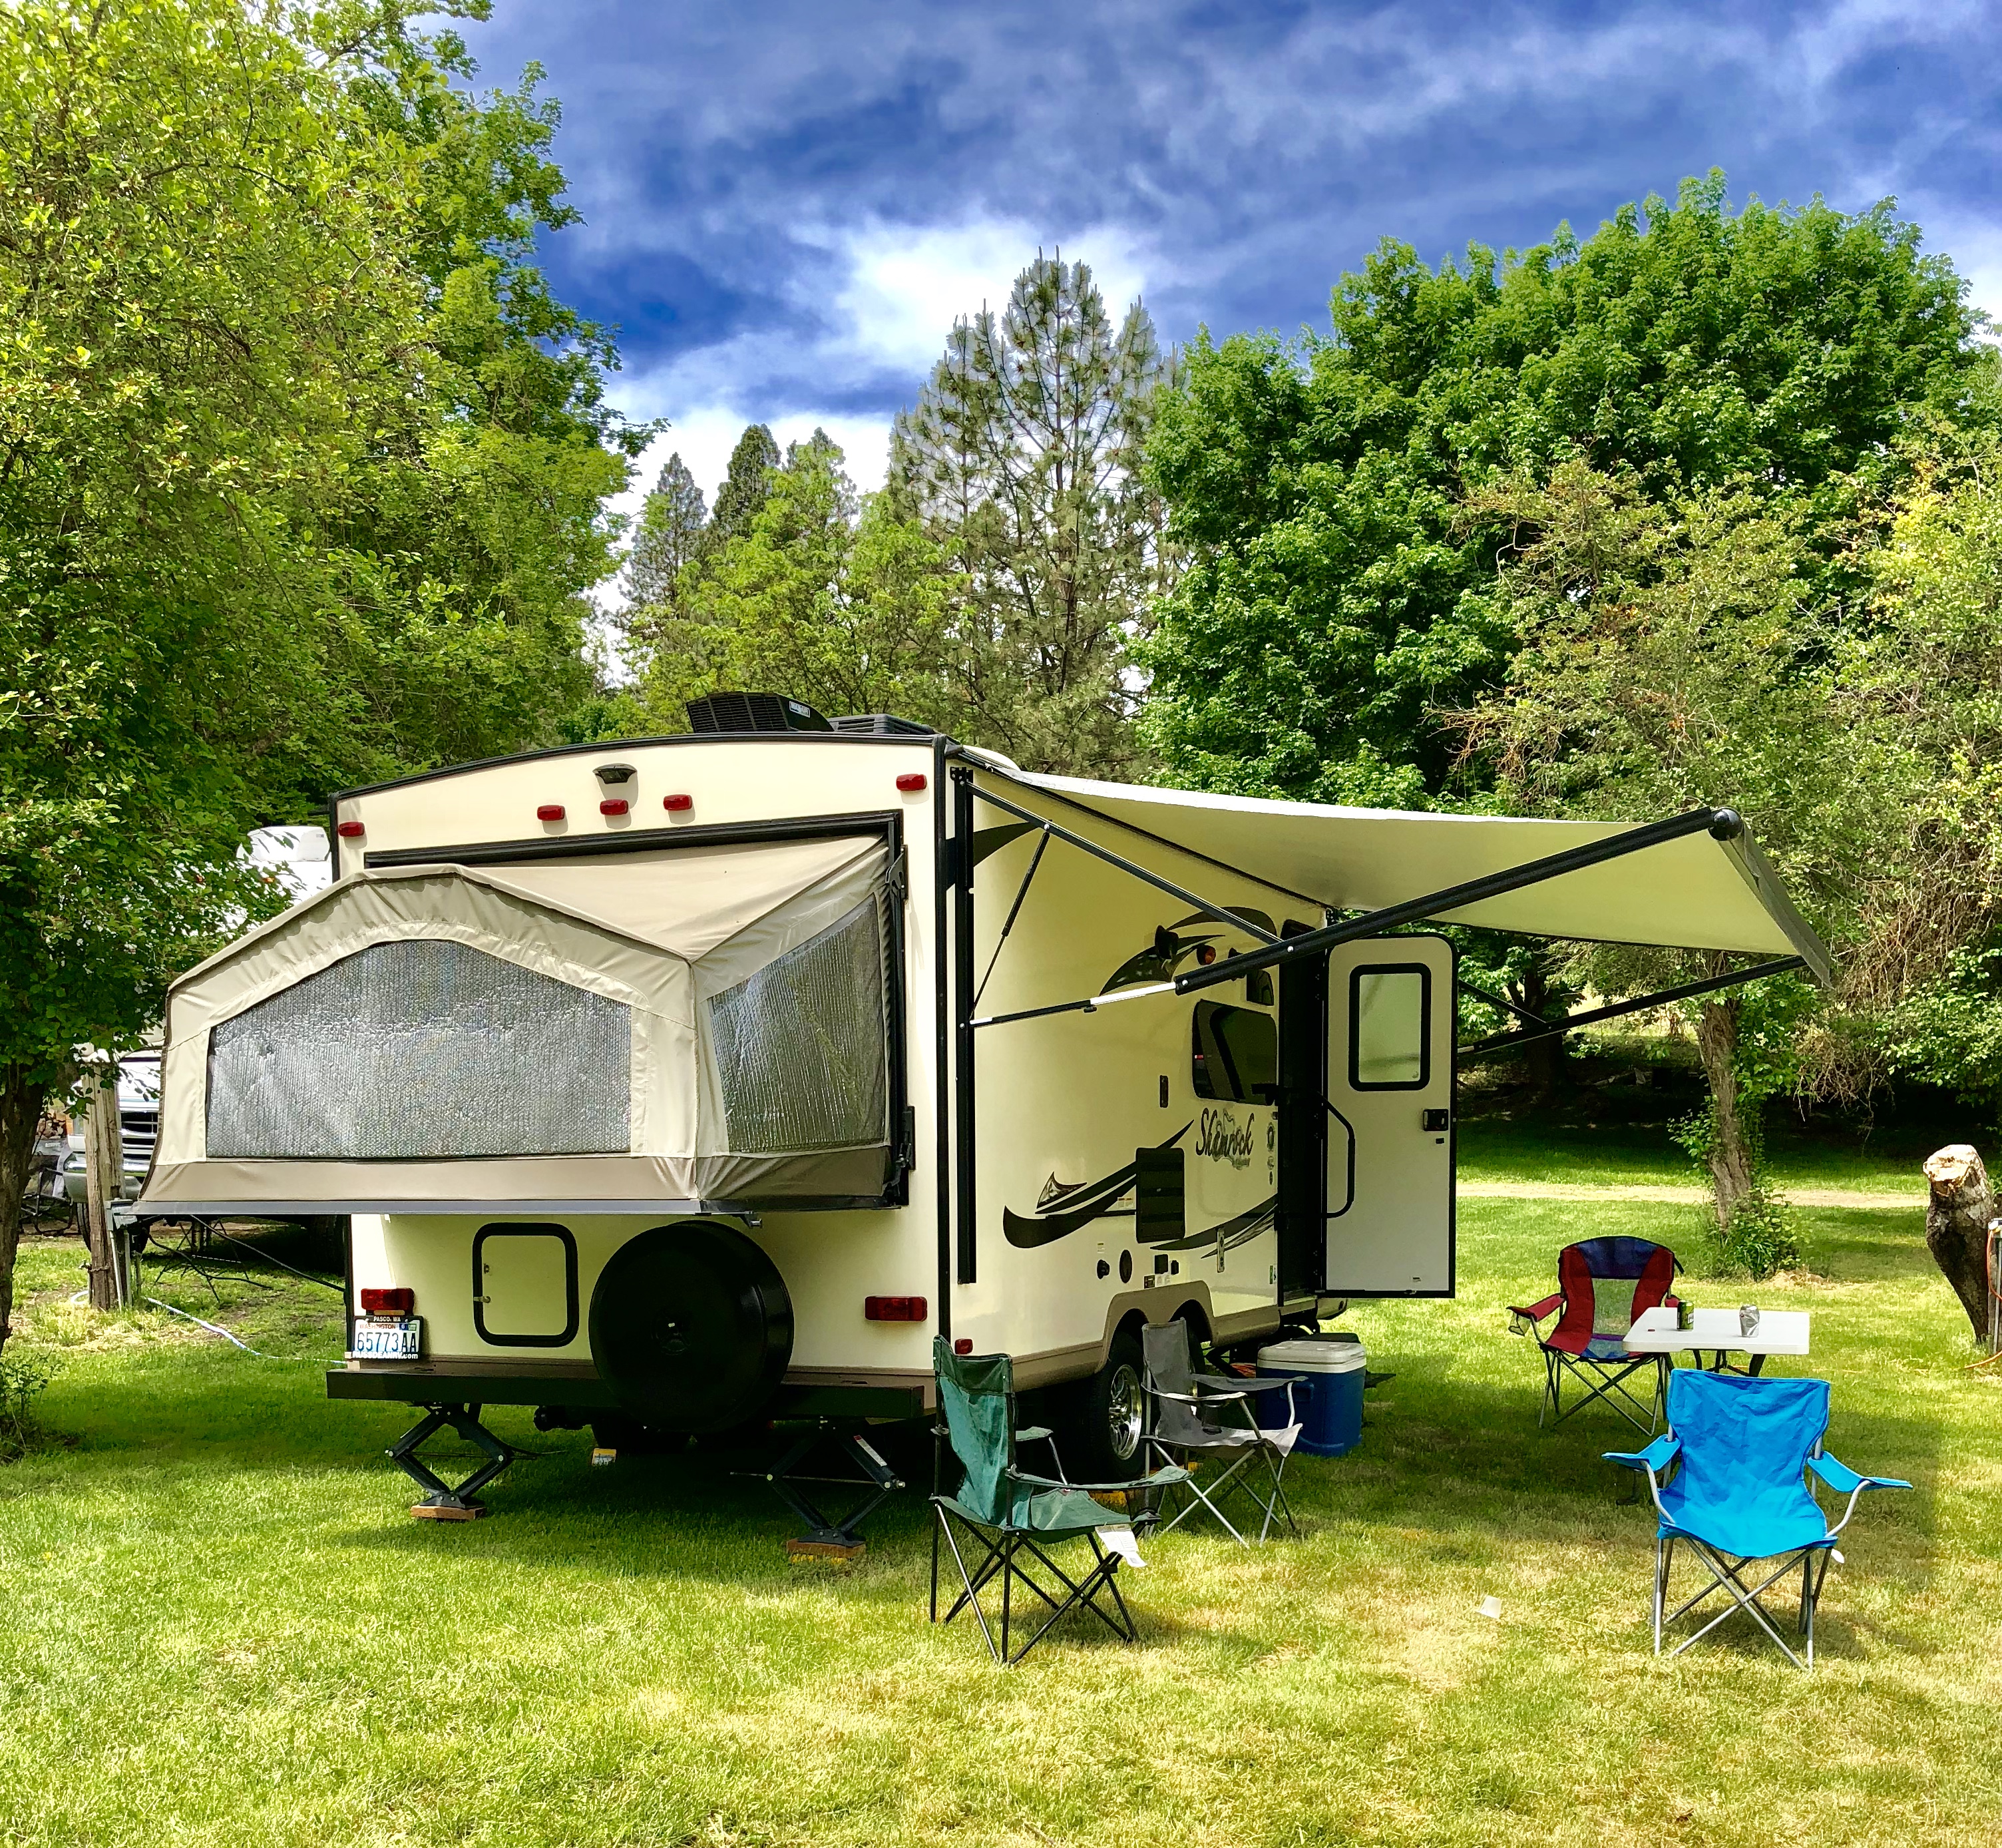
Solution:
(670, 535)
(1022, 457)
(745, 487)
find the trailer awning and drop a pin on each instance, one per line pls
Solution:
(1697, 893)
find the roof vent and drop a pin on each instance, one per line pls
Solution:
(752, 712)
(883, 725)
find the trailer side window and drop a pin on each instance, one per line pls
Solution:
(1236, 1053)
(1390, 1027)
(422, 1049)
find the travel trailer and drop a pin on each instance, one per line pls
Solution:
(692, 1081)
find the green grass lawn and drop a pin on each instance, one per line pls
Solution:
(222, 1626)
(1619, 1152)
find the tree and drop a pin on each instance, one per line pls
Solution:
(277, 503)
(1022, 458)
(823, 596)
(746, 483)
(1668, 659)
(669, 538)
(1335, 603)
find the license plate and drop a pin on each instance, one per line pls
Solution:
(388, 1338)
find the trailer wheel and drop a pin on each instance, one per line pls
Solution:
(691, 1326)
(1101, 1436)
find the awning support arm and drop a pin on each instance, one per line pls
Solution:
(1014, 911)
(1501, 1001)
(1723, 823)
(1549, 1029)
(1236, 920)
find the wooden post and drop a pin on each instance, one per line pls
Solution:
(1958, 1216)
(104, 1180)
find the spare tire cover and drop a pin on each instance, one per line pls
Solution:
(691, 1326)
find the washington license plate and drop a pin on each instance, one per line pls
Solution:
(388, 1338)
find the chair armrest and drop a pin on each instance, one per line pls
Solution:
(1845, 1481)
(1656, 1457)
(1533, 1313)
(1243, 1388)
(1191, 1398)
(1033, 1433)
(1164, 1478)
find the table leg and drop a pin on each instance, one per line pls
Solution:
(1758, 1361)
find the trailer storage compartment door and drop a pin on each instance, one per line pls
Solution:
(1391, 1020)
(698, 1025)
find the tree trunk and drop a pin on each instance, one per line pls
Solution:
(1730, 1150)
(1543, 1060)
(1957, 1219)
(104, 1176)
(20, 1108)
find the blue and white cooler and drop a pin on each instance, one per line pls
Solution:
(1328, 1400)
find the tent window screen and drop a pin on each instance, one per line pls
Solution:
(802, 1047)
(1390, 1027)
(1235, 1057)
(406, 1051)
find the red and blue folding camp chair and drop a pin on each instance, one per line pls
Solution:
(1602, 1286)
(1729, 1480)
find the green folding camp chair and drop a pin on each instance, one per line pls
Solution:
(1006, 1518)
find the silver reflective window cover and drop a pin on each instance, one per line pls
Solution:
(801, 1047)
(421, 1049)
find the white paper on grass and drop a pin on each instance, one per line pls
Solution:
(1121, 1541)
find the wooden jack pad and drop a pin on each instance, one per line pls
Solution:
(435, 1510)
(826, 1549)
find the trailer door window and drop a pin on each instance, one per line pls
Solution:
(421, 1049)
(1236, 1053)
(1390, 1027)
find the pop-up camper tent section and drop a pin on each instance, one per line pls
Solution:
(639, 1031)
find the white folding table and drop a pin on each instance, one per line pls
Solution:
(1718, 1333)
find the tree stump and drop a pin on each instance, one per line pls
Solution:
(1957, 1219)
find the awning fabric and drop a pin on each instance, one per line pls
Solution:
(1697, 893)
(700, 1024)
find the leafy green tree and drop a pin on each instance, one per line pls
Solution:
(285, 495)
(1668, 659)
(825, 596)
(1336, 598)
(1022, 458)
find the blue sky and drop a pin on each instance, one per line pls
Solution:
(787, 201)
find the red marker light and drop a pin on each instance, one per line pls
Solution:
(677, 804)
(962, 1346)
(351, 831)
(911, 781)
(613, 805)
(388, 1303)
(550, 811)
(893, 1308)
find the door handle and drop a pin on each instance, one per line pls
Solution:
(1436, 1119)
(1337, 1212)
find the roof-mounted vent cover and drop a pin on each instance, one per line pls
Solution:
(752, 712)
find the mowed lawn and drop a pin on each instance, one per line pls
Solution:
(222, 1626)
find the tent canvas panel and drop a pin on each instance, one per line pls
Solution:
(442, 1033)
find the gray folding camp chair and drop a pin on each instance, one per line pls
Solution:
(1207, 1417)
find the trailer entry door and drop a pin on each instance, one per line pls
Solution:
(1390, 1135)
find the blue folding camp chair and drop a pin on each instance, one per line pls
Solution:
(1743, 1448)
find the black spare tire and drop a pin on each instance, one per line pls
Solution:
(691, 1326)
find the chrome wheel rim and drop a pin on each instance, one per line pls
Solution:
(1123, 1411)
